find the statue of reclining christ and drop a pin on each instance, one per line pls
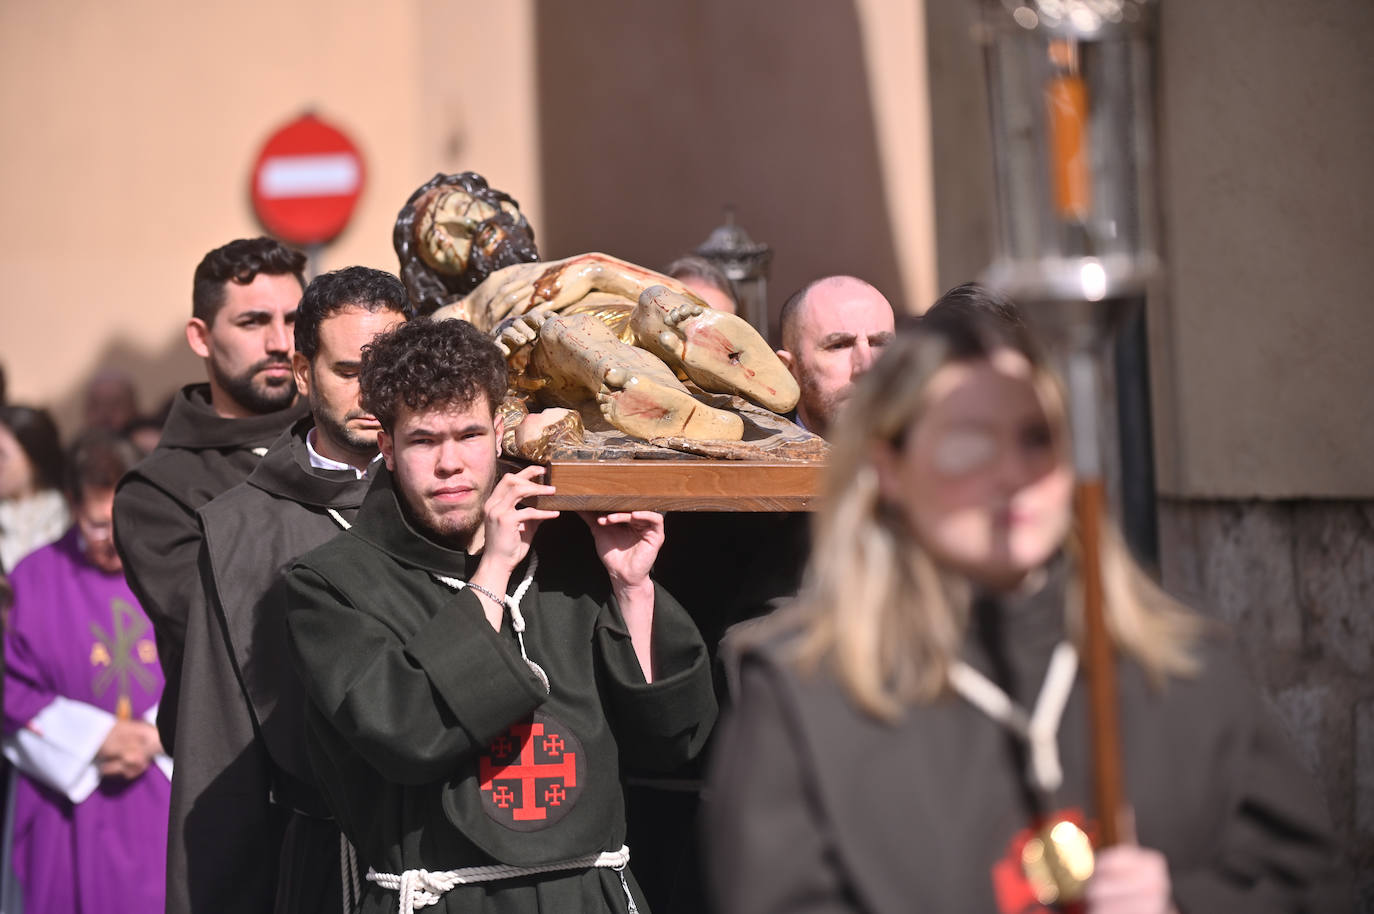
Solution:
(609, 346)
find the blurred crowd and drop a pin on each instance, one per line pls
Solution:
(33, 505)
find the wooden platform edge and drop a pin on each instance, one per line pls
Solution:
(681, 485)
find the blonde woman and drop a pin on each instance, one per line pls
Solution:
(912, 735)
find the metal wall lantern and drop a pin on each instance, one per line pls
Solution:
(745, 261)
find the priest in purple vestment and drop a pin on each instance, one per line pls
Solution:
(88, 819)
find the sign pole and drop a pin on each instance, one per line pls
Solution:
(313, 253)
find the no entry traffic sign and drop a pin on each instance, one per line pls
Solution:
(306, 181)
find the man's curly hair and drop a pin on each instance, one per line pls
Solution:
(430, 363)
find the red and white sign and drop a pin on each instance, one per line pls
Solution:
(307, 181)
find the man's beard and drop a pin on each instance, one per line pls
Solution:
(258, 397)
(358, 444)
(821, 406)
(517, 246)
(450, 529)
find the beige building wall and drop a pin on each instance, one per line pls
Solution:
(1263, 327)
(1265, 343)
(811, 125)
(132, 131)
(134, 128)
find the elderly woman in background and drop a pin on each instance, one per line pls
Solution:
(87, 828)
(33, 511)
(912, 735)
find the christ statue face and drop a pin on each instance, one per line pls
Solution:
(471, 231)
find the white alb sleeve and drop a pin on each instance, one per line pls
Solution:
(59, 746)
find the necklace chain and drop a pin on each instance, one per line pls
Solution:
(511, 603)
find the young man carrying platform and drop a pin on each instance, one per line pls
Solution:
(455, 729)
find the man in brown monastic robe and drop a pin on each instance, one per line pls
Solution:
(243, 306)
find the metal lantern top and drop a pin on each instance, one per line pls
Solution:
(730, 247)
(1084, 20)
(1072, 133)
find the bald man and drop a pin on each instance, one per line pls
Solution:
(833, 330)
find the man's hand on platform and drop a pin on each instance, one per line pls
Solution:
(508, 529)
(628, 544)
(509, 526)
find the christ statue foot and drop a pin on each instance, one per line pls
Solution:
(648, 409)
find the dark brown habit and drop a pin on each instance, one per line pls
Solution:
(200, 455)
(249, 831)
(817, 806)
(423, 719)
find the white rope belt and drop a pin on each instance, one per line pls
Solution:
(348, 872)
(421, 888)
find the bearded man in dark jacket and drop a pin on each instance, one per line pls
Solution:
(243, 305)
(249, 831)
(469, 739)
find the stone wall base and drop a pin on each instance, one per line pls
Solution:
(1294, 580)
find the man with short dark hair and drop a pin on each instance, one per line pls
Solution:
(833, 330)
(244, 301)
(474, 687)
(250, 831)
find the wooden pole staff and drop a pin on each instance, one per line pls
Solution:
(1100, 668)
(1066, 99)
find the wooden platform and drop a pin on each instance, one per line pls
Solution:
(681, 485)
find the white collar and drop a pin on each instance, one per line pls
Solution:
(320, 462)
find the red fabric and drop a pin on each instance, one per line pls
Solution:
(529, 774)
(1013, 890)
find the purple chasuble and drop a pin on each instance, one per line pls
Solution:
(78, 633)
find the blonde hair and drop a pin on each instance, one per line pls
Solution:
(877, 608)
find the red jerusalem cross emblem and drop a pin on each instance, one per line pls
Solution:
(530, 775)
